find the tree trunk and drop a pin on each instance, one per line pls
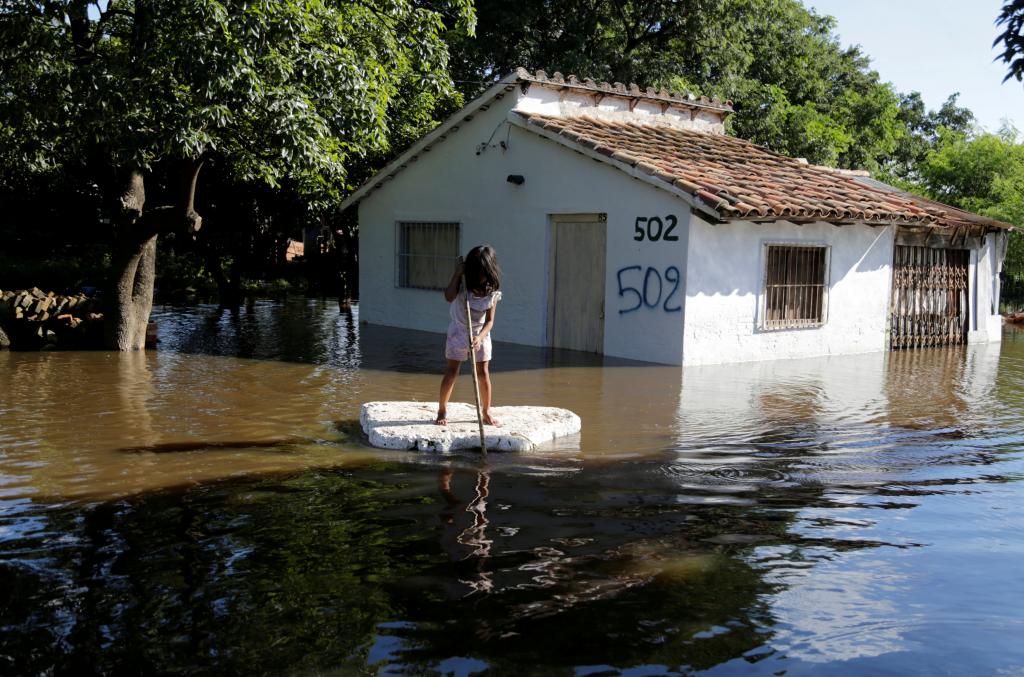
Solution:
(127, 312)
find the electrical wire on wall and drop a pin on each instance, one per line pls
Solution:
(504, 145)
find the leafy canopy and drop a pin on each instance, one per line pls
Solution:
(796, 90)
(1011, 19)
(275, 90)
(982, 173)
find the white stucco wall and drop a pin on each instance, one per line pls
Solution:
(568, 102)
(724, 286)
(986, 322)
(452, 183)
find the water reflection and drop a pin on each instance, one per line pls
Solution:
(842, 421)
(762, 517)
(465, 531)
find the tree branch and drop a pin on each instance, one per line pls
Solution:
(78, 16)
(192, 217)
(158, 221)
(105, 16)
(626, 24)
(174, 218)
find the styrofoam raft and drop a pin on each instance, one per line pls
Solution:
(410, 425)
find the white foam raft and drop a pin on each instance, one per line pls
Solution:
(410, 425)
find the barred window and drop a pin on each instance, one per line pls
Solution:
(795, 286)
(427, 252)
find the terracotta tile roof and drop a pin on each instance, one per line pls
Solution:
(738, 180)
(952, 213)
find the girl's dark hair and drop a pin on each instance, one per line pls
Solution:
(482, 271)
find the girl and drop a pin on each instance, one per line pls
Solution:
(483, 277)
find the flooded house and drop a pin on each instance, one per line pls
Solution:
(629, 224)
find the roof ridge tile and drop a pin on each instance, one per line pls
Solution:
(625, 89)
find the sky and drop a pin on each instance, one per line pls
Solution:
(935, 47)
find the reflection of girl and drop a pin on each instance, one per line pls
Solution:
(483, 279)
(470, 542)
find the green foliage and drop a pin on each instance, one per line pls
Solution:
(272, 90)
(60, 269)
(982, 173)
(923, 129)
(179, 275)
(795, 89)
(276, 287)
(288, 103)
(603, 39)
(1012, 38)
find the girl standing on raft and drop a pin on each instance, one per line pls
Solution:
(483, 277)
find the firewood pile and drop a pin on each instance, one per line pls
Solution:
(36, 320)
(1015, 318)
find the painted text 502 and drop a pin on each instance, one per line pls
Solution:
(654, 229)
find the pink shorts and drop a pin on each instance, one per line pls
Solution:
(456, 345)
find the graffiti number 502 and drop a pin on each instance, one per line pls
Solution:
(654, 229)
(651, 289)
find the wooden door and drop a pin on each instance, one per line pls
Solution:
(577, 283)
(929, 297)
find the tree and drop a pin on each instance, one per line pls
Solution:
(602, 39)
(984, 174)
(142, 94)
(923, 130)
(795, 89)
(1012, 17)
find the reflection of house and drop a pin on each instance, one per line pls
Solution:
(628, 223)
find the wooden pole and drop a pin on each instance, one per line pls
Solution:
(472, 356)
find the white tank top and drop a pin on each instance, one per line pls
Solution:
(478, 306)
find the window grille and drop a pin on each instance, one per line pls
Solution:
(427, 253)
(795, 286)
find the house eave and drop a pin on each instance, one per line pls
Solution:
(438, 134)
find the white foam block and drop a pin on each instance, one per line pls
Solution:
(410, 425)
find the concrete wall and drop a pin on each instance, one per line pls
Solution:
(725, 285)
(986, 322)
(453, 183)
(568, 102)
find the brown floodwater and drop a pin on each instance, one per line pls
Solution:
(212, 506)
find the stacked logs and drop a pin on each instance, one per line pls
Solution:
(1015, 318)
(36, 320)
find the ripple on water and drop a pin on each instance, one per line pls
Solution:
(826, 511)
(737, 474)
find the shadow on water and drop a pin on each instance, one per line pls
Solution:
(195, 512)
(177, 447)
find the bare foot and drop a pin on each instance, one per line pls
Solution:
(442, 418)
(490, 420)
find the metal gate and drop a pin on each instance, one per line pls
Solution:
(929, 297)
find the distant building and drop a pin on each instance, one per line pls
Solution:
(627, 223)
(295, 249)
